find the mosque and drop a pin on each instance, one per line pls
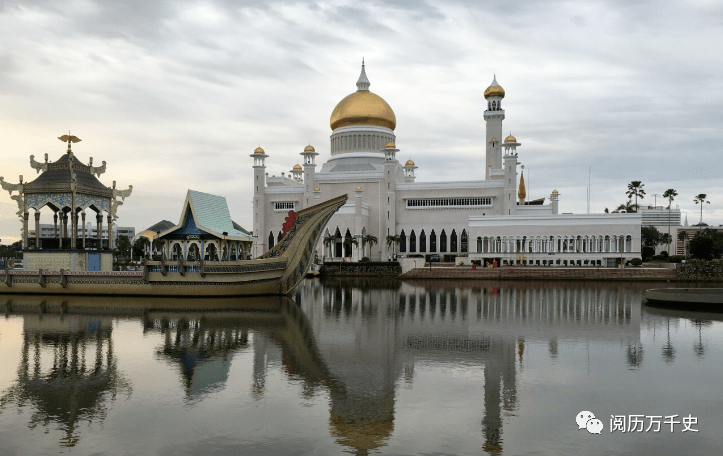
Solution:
(488, 220)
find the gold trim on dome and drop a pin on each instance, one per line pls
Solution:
(297, 167)
(309, 148)
(259, 150)
(389, 145)
(409, 163)
(510, 139)
(363, 108)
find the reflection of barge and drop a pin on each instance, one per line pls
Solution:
(691, 298)
(275, 272)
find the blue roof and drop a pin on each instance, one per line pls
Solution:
(206, 213)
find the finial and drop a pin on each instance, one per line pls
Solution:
(69, 139)
(363, 82)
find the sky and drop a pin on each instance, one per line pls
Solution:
(176, 94)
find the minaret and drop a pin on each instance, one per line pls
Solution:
(509, 204)
(521, 190)
(309, 155)
(494, 115)
(389, 223)
(554, 199)
(259, 204)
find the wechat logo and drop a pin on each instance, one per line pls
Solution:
(586, 420)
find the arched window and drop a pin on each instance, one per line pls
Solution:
(422, 242)
(443, 242)
(453, 242)
(402, 242)
(432, 242)
(271, 239)
(465, 242)
(412, 242)
(479, 244)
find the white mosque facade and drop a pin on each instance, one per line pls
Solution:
(488, 219)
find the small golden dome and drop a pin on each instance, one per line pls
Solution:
(409, 163)
(317, 189)
(309, 148)
(493, 139)
(510, 139)
(555, 192)
(363, 108)
(259, 150)
(358, 188)
(297, 167)
(494, 90)
(389, 145)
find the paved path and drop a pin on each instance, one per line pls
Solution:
(544, 273)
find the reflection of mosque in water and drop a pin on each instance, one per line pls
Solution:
(67, 372)
(485, 326)
(353, 342)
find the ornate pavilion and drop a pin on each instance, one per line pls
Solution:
(70, 189)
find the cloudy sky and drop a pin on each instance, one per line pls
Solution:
(177, 94)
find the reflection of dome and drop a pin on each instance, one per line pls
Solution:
(510, 139)
(309, 148)
(409, 163)
(259, 150)
(363, 108)
(494, 90)
(297, 167)
(361, 434)
(389, 145)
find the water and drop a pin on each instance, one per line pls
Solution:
(359, 367)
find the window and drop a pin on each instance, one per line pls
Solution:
(448, 203)
(284, 206)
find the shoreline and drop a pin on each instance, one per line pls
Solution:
(545, 273)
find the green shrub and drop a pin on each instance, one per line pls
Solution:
(648, 251)
(676, 258)
(659, 257)
(647, 259)
(365, 260)
(477, 262)
(664, 253)
(636, 261)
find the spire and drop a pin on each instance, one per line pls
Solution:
(363, 82)
(522, 192)
(686, 220)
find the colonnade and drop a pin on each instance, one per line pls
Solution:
(555, 244)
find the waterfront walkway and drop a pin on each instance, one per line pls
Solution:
(542, 273)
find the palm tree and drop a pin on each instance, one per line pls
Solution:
(328, 242)
(683, 236)
(371, 240)
(393, 241)
(700, 199)
(635, 188)
(350, 241)
(670, 194)
(626, 207)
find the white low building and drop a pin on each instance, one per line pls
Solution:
(488, 219)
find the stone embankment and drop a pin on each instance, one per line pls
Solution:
(701, 271)
(533, 273)
(380, 269)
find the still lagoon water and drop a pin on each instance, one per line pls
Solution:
(360, 367)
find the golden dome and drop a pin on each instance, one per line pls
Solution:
(259, 150)
(309, 148)
(389, 145)
(555, 192)
(297, 167)
(510, 139)
(363, 108)
(358, 188)
(409, 163)
(317, 189)
(494, 90)
(493, 139)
